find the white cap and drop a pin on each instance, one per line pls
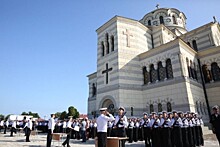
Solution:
(102, 109)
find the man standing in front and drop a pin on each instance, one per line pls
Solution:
(120, 124)
(102, 122)
(29, 128)
(215, 121)
(51, 126)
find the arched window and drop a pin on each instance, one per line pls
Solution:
(188, 67)
(161, 71)
(151, 108)
(169, 107)
(191, 69)
(169, 69)
(112, 43)
(206, 73)
(149, 22)
(153, 74)
(174, 19)
(146, 75)
(103, 48)
(93, 89)
(107, 43)
(215, 71)
(195, 45)
(201, 107)
(195, 72)
(161, 20)
(160, 109)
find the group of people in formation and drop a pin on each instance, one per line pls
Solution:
(167, 129)
(26, 124)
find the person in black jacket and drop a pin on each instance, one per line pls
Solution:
(215, 121)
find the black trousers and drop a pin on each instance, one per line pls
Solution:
(130, 135)
(177, 137)
(156, 137)
(135, 134)
(49, 138)
(13, 130)
(102, 139)
(147, 136)
(185, 137)
(190, 137)
(120, 132)
(67, 141)
(5, 129)
(166, 137)
(28, 133)
(218, 137)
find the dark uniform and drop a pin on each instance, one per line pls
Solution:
(145, 123)
(215, 121)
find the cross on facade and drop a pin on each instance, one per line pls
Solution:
(157, 6)
(128, 35)
(106, 72)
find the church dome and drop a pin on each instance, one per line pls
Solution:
(170, 17)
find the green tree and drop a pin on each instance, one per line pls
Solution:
(57, 114)
(35, 115)
(73, 112)
(2, 117)
(63, 115)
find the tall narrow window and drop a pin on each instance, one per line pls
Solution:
(188, 67)
(215, 71)
(149, 22)
(191, 69)
(112, 43)
(161, 20)
(169, 107)
(93, 89)
(103, 48)
(151, 108)
(160, 109)
(195, 72)
(153, 74)
(206, 73)
(107, 43)
(174, 19)
(169, 69)
(145, 75)
(195, 45)
(161, 71)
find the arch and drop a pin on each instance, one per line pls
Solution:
(191, 69)
(145, 75)
(169, 107)
(108, 101)
(194, 45)
(204, 108)
(149, 22)
(169, 69)
(201, 107)
(161, 71)
(107, 43)
(153, 74)
(161, 20)
(103, 48)
(151, 108)
(215, 71)
(206, 73)
(174, 19)
(112, 43)
(188, 67)
(160, 108)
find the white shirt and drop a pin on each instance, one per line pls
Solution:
(102, 122)
(30, 124)
(124, 123)
(64, 124)
(14, 124)
(51, 124)
(154, 123)
(2, 123)
(145, 122)
(69, 124)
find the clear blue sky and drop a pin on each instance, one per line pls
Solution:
(48, 47)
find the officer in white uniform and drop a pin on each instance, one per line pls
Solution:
(102, 122)
(51, 126)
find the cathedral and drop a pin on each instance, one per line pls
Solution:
(156, 64)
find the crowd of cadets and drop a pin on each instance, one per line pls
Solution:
(176, 129)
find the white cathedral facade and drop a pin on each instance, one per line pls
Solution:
(156, 64)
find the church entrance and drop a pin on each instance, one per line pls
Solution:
(109, 105)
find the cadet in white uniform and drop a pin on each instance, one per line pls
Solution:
(29, 128)
(102, 122)
(51, 126)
